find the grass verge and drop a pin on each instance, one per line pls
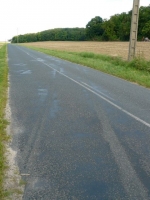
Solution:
(137, 71)
(3, 122)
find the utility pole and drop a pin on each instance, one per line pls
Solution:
(134, 29)
(17, 35)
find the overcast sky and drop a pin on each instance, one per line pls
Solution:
(31, 16)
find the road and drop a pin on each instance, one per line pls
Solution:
(79, 133)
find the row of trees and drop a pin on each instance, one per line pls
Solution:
(117, 28)
(63, 34)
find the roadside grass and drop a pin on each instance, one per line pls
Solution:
(3, 123)
(137, 71)
(1, 45)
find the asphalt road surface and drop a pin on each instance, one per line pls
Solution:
(79, 133)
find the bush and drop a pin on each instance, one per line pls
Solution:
(140, 63)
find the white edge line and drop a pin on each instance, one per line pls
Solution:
(97, 91)
(110, 102)
(25, 174)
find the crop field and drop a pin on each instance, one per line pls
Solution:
(107, 48)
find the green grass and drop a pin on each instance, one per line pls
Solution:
(3, 122)
(137, 71)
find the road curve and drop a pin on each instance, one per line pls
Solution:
(79, 133)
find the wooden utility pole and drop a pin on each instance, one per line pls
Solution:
(17, 36)
(134, 29)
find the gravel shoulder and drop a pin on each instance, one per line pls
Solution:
(13, 183)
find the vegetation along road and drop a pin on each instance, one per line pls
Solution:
(78, 133)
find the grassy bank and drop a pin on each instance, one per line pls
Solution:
(137, 71)
(3, 122)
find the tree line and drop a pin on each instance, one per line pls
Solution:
(117, 28)
(57, 34)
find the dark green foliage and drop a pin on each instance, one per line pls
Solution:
(144, 22)
(64, 34)
(117, 28)
(94, 28)
(59, 34)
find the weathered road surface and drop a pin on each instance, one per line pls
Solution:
(79, 133)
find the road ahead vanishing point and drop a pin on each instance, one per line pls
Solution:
(80, 134)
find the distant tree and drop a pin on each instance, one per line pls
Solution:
(14, 39)
(117, 28)
(94, 28)
(38, 36)
(144, 20)
(57, 34)
(124, 26)
(109, 33)
(146, 29)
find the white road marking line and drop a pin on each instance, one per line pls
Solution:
(20, 64)
(110, 102)
(97, 90)
(25, 174)
(107, 100)
(26, 72)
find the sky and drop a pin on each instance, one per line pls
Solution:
(31, 16)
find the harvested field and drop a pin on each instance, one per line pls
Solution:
(108, 48)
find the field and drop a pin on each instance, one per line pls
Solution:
(106, 48)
